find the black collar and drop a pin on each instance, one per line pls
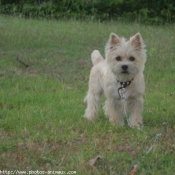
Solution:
(123, 86)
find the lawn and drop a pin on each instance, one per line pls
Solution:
(41, 100)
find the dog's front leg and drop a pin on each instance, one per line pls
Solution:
(113, 110)
(135, 107)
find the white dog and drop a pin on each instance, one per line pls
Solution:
(123, 67)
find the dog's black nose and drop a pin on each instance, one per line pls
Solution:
(124, 67)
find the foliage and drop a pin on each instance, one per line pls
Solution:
(154, 12)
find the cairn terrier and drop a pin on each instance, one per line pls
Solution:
(122, 68)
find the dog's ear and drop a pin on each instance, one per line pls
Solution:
(113, 41)
(137, 41)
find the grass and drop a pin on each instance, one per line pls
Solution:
(41, 107)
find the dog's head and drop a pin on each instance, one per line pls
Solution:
(125, 58)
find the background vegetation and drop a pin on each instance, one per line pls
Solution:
(44, 69)
(152, 12)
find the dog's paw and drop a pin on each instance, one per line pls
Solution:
(135, 123)
(117, 121)
(90, 118)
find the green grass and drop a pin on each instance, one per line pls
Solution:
(41, 107)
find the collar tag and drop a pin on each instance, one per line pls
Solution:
(121, 92)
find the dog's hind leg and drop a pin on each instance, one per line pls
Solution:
(93, 97)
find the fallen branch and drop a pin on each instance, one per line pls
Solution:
(22, 62)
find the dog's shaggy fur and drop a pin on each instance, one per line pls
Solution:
(124, 62)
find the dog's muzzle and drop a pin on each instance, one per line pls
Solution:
(124, 69)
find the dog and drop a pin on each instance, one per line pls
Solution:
(122, 68)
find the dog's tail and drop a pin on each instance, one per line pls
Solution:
(96, 57)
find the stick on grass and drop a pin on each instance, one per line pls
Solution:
(22, 62)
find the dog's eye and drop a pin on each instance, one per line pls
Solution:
(118, 58)
(131, 58)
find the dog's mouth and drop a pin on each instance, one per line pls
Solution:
(125, 72)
